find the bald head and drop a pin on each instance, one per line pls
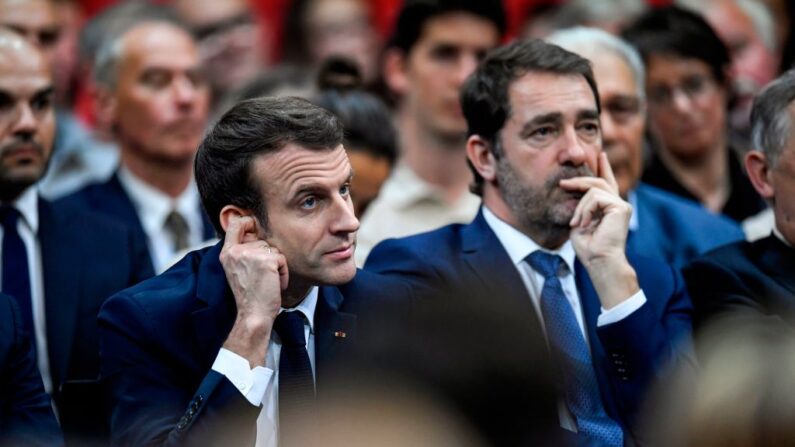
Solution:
(34, 20)
(27, 119)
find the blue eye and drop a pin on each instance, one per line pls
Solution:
(309, 203)
(345, 190)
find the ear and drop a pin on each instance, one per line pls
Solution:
(105, 106)
(394, 69)
(230, 212)
(756, 164)
(482, 158)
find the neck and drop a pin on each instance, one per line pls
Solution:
(170, 178)
(296, 291)
(437, 160)
(706, 176)
(547, 236)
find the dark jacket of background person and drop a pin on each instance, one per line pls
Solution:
(160, 338)
(26, 416)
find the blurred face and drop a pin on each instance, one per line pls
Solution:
(552, 134)
(370, 173)
(342, 28)
(622, 118)
(160, 101)
(687, 108)
(27, 119)
(231, 41)
(448, 50)
(782, 180)
(310, 213)
(35, 20)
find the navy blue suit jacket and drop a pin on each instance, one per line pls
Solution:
(677, 230)
(110, 198)
(86, 258)
(26, 416)
(159, 340)
(468, 262)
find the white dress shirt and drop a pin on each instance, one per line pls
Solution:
(519, 246)
(28, 227)
(153, 207)
(260, 385)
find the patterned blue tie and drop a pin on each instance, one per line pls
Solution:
(571, 352)
(16, 276)
(296, 383)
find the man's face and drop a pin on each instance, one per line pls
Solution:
(448, 50)
(782, 179)
(687, 107)
(161, 98)
(35, 20)
(623, 118)
(551, 134)
(310, 215)
(27, 119)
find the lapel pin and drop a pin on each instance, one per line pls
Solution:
(340, 334)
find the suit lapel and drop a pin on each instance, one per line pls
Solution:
(61, 273)
(778, 260)
(333, 329)
(215, 316)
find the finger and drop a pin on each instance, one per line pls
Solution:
(233, 232)
(606, 172)
(583, 184)
(578, 210)
(284, 273)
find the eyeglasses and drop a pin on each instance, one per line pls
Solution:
(694, 87)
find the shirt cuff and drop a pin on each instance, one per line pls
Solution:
(623, 310)
(251, 383)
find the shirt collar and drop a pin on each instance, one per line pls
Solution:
(153, 206)
(307, 307)
(28, 206)
(519, 246)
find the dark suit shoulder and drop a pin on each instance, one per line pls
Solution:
(413, 252)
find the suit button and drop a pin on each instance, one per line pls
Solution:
(182, 424)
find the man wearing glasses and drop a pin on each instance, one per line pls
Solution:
(663, 225)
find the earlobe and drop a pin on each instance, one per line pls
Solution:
(394, 69)
(482, 158)
(756, 165)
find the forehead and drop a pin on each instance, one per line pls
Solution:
(538, 93)
(613, 75)
(160, 46)
(27, 14)
(461, 29)
(667, 68)
(295, 167)
(22, 69)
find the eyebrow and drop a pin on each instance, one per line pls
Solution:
(547, 118)
(46, 91)
(590, 114)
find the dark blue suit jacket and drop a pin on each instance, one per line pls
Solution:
(468, 262)
(26, 416)
(110, 198)
(160, 338)
(86, 258)
(677, 230)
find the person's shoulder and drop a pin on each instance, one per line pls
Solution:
(423, 244)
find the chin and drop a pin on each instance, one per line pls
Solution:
(339, 274)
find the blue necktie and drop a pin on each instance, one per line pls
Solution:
(296, 383)
(571, 352)
(16, 277)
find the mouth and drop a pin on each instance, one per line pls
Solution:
(342, 253)
(22, 152)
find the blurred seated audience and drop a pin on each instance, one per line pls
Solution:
(435, 45)
(544, 18)
(152, 92)
(663, 225)
(26, 416)
(232, 43)
(60, 262)
(316, 30)
(688, 90)
(370, 135)
(758, 277)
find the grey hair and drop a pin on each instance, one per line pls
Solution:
(584, 12)
(771, 121)
(759, 13)
(589, 42)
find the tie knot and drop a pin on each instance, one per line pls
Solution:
(8, 216)
(545, 263)
(290, 327)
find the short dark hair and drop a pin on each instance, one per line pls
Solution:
(679, 32)
(415, 14)
(484, 96)
(224, 168)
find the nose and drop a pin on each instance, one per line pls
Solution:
(26, 121)
(345, 221)
(573, 151)
(184, 91)
(609, 128)
(680, 101)
(466, 65)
